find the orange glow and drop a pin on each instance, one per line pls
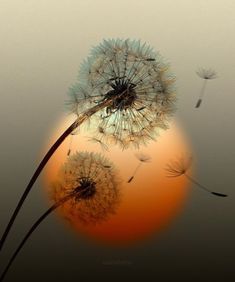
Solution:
(149, 202)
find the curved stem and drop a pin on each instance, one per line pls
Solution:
(31, 230)
(83, 117)
(34, 178)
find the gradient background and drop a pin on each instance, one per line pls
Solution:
(42, 44)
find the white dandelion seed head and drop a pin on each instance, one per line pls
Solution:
(138, 82)
(94, 182)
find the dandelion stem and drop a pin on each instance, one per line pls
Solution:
(203, 187)
(83, 117)
(34, 178)
(32, 229)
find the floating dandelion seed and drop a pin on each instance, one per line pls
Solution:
(128, 90)
(205, 74)
(143, 159)
(98, 141)
(87, 189)
(180, 167)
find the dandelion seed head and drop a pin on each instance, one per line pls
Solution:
(139, 85)
(206, 73)
(178, 167)
(94, 183)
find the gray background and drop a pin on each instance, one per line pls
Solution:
(42, 44)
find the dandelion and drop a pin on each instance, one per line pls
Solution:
(128, 91)
(143, 159)
(205, 74)
(181, 167)
(92, 170)
(136, 81)
(87, 189)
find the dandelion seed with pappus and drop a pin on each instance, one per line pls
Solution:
(205, 74)
(126, 91)
(181, 167)
(143, 159)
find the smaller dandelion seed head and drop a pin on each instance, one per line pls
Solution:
(93, 183)
(143, 157)
(86, 188)
(206, 73)
(178, 167)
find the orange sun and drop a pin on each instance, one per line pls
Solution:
(149, 202)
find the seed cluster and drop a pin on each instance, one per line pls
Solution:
(94, 184)
(139, 85)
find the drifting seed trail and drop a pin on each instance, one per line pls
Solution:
(143, 159)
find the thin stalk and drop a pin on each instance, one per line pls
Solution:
(202, 93)
(204, 188)
(32, 229)
(82, 118)
(134, 173)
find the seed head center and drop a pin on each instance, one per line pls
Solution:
(123, 95)
(86, 188)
